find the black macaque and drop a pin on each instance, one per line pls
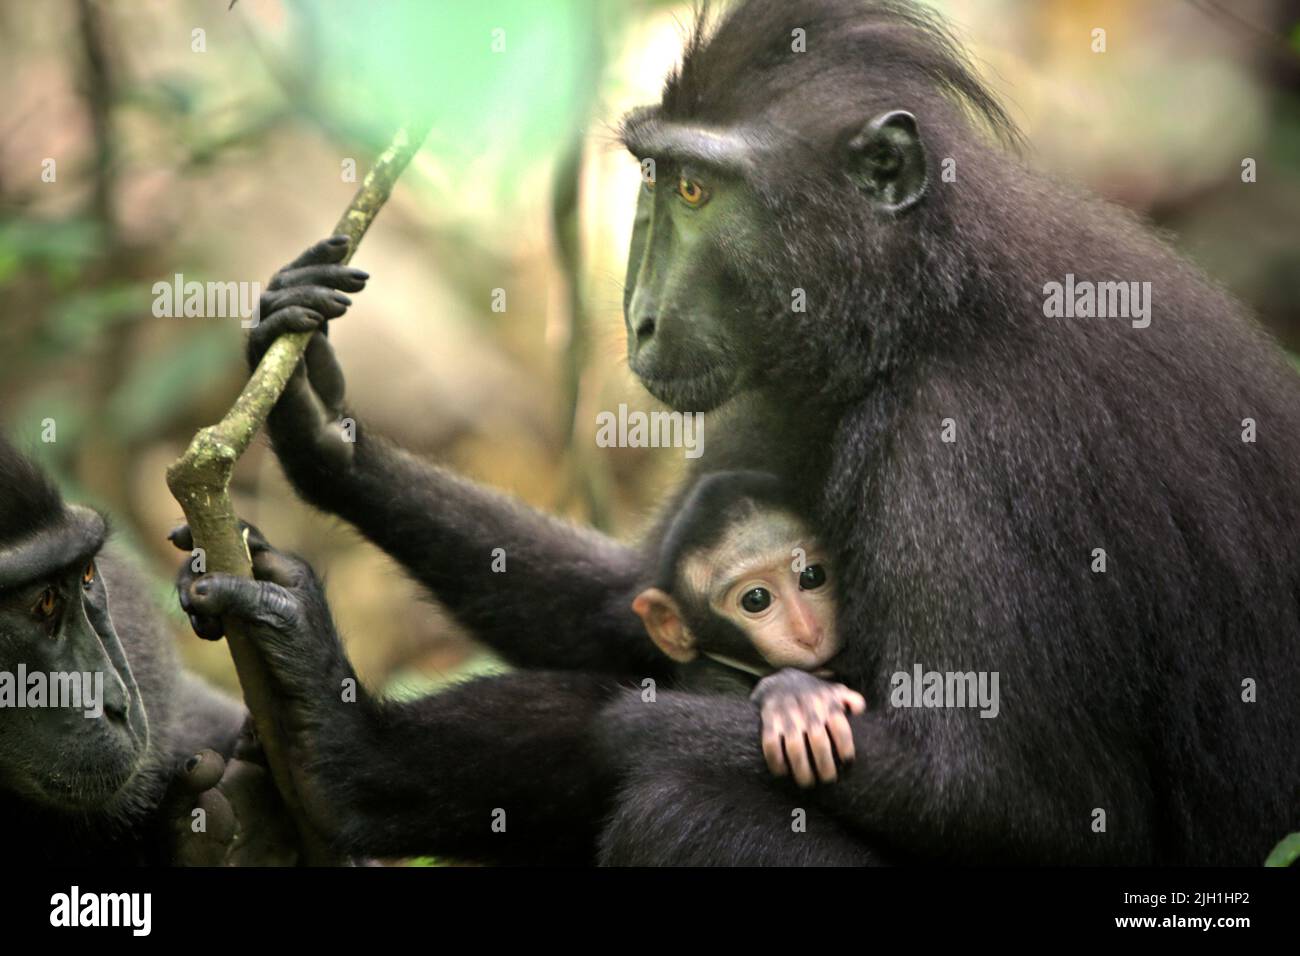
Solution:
(742, 581)
(105, 742)
(1104, 512)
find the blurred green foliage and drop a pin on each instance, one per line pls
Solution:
(504, 82)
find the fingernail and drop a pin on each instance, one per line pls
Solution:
(341, 299)
(360, 274)
(338, 240)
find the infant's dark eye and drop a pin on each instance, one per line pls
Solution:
(755, 600)
(88, 575)
(813, 577)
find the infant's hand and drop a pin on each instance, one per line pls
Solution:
(803, 716)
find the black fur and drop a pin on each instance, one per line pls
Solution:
(1120, 691)
(132, 826)
(715, 503)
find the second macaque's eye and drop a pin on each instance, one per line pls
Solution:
(756, 600)
(88, 575)
(46, 605)
(813, 577)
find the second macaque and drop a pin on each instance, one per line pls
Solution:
(742, 583)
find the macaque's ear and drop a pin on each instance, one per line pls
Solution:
(663, 619)
(887, 159)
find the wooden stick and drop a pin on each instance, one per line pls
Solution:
(200, 481)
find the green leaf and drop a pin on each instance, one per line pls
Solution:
(1286, 852)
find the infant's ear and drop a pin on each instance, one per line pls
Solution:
(663, 620)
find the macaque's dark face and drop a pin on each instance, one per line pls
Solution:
(68, 748)
(768, 577)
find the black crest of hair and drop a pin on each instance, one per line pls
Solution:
(746, 56)
(29, 499)
(718, 500)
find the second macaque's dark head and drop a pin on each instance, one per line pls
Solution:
(741, 579)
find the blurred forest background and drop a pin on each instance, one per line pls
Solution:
(222, 163)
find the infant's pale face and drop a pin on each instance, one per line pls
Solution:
(769, 576)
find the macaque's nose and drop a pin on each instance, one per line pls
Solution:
(645, 329)
(807, 629)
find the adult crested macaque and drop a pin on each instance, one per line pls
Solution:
(742, 581)
(106, 744)
(1070, 503)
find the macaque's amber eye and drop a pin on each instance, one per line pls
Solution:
(813, 577)
(88, 575)
(45, 605)
(692, 192)
(755, 600)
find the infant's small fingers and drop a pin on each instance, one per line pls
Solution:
(793, 720)
(773, 754)
(796, 755)
(819, 744)
(851, 700)
(842, 736)
(818, 709)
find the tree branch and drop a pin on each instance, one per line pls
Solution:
(200, 481)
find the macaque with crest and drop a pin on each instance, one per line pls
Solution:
(742, 584)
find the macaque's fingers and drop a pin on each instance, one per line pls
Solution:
(772, 751)
(273, 324)
(206, 628)
(851, 699)
(325, 374)
(842, 736)
(794, 720)
(327, 302)
(218, 816)
(254, 602)
(209, 629)
(279, 568)
(796, 754)
(328, 250)
(257, 543)
(819, 744)
(203, 771)
(344, 278)
(181, 537)
(247, 747)
(817, 708)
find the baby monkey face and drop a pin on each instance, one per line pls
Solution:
(772, 580)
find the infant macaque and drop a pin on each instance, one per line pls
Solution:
(742, 582)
